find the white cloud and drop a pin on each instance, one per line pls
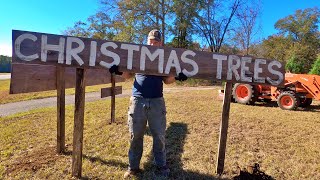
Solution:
(6, 49)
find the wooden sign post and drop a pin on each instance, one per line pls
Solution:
(60, 110)
(113, 98)
(224, 128)
(34, 78)
(78, 124)
(35, 51)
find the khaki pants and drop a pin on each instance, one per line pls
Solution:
(143, 111)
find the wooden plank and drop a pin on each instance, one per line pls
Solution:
(41, 48)
(106, 92)
(34, 78)
(78, 123)
(224, 128)
(113, 98)
(60, 110)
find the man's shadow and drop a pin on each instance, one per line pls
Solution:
(175, 138)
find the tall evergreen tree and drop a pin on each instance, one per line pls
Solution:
(316, 67)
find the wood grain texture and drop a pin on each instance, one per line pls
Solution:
(34, 78)
(224, 128)
(106, 92)
(78, 123)
(103, 52)
(60, 110)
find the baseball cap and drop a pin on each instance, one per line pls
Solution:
(154, 34)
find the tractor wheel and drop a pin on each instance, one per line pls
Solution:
(288, 100)
(244, 93)
(305, 102)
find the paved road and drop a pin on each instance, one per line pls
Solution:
(23, 106)
(7, 76)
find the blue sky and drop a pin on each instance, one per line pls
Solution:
(54, 16)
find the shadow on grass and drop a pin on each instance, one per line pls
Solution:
(175, 138)
(311, 108)
(269, 104)
(261, 104)
(100, 160)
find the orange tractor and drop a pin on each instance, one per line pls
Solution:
(299, 90)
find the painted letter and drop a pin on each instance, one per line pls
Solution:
(45, 47)
(245, 69)
(74, 52)
(17, 47)
(145, 52)
(280, 75)
(116, 58)
(130, 48)
(93, 53)
(258, 70)
(219, 59)
(173, 61)
(232, 68)
(191, 62)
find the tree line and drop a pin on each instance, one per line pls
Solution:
(225, 26)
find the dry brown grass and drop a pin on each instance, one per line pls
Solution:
(284, 143)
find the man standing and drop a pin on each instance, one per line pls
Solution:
(147, 106)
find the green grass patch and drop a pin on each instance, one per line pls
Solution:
(284, 143)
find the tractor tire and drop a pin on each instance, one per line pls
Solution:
(288, 100)
(244, 93)
(306, 102)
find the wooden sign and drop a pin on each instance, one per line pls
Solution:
(40, 48)
(34, 78)
(106, 92)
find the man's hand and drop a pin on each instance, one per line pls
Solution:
(115, 70)
(181, 77)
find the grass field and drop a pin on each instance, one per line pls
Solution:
(284, 143)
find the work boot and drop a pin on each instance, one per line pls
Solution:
(162, 172)
(131, 173)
